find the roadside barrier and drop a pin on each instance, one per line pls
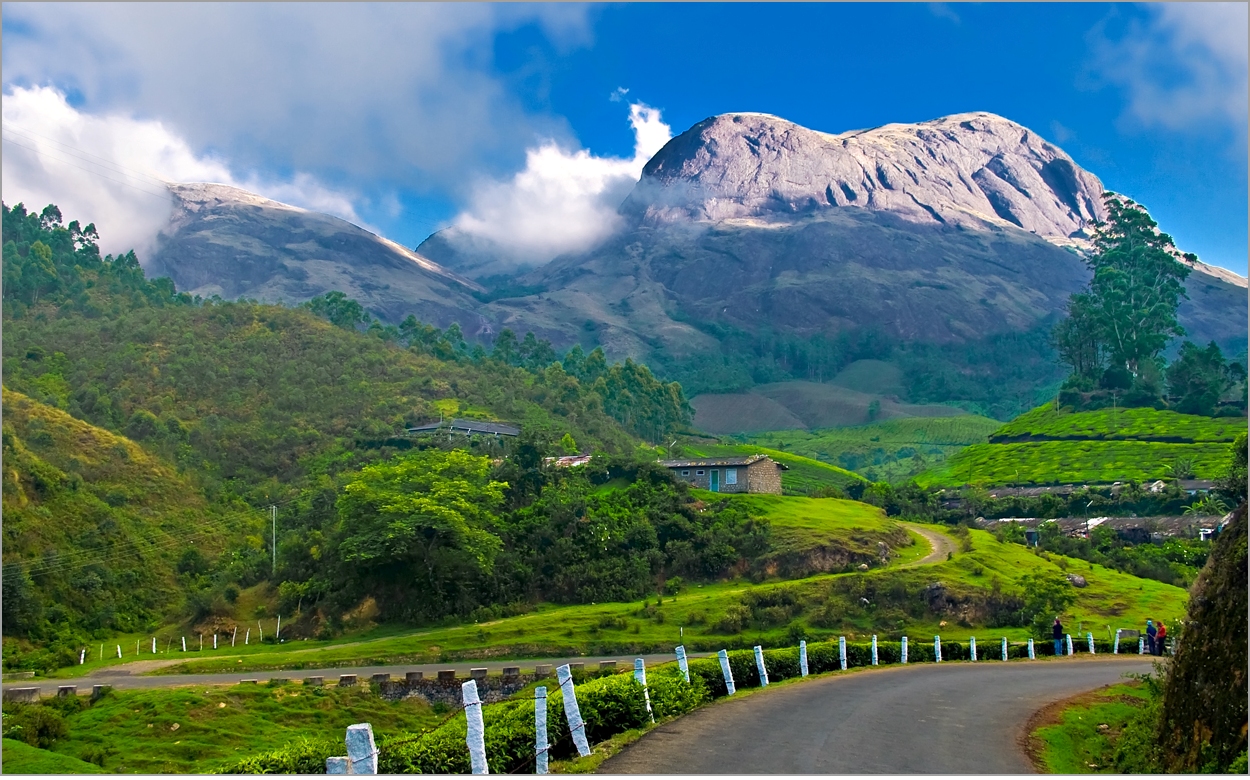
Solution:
(842, 651)
(540, 729)
(1004, 648)
(1068, 638)
(682, 663)
(903, 652)
(937, 649)
(874, 649)
(1090, 637)
(972, 648)
(803, 657)
(574, 715)
(759, 665)
(475, 733)
(1031, 655)
(1115, 648)
(729, 675)
(640, 674)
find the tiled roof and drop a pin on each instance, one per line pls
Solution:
(468, 427)
(737, 460)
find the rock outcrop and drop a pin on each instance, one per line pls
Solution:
(226, 241)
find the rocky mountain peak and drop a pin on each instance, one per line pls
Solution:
(972, 170)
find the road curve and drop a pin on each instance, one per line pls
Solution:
(940, 543)
(952, 718)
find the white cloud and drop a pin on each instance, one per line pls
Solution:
(1182, 68)
(386, 96)
(111, 169)
(563, 201)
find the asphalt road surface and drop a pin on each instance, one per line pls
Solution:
(952, 718)
(122, 679)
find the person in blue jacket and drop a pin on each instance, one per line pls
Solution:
(1151, 632)
(1056, 632)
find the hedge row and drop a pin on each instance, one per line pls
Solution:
(609, 705)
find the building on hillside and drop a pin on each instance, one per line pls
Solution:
(466, 428)
(568, 461)
(746, 474)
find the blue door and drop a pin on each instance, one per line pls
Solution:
(714, 485)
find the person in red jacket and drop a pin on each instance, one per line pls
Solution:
(1161, 636)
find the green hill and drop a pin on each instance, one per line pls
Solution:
(100, 537)
(891, 450)
(1045, 446)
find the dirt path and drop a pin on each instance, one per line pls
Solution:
(941, 544)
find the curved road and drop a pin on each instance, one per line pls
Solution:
(940, 544)
(953, 718)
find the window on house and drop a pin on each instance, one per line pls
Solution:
(685, 472)
(699, 473)
(731, 476)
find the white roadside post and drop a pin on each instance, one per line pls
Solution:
(972, 648)
(540, 730)
(842, 652)
(723, 657)
(759, 666)
(1115, 646)
(1032, 657)
(214, 640)
(233, 634)
(803, 657)
(201, 643)
(475, 733)
(184, 644)
(119, 651)
(937, 648)
(903, 652)
(1141, 645)
(874, 649)
(1004, 648)
(153, 645)
(682, 663)
(336, 765)
(1090, 637)
(82, 657)
(640, 674)
(362, 751)
(1068, 637)
(247, 636)
(571, 711)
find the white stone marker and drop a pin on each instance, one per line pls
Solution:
(184, 644)
(759, 666)
(574, 715)
(362, 752)
(972, 648)
(1115, 646)
(903, 652)
(201, 643)
(842, 652)
(1090, 637)
(1004, 648)
(82, 657)
(336, 765)
(874, 649)
(247, 636)
(153, 645)
(723, 657)
(1141, 645)
(119, 651)
(214, 641)
(540, 730)
(640, 674)
(1069, 638)
(475, 734)
(937, 649)
(1031, 656)
(803, 657)
(682, 663)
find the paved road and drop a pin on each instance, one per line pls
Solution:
(953, 718)
(122, 679)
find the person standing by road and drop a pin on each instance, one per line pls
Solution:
(1161, 636)
(1056, 633)
(1151, 631)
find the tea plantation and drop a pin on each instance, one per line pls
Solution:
(1049, 447)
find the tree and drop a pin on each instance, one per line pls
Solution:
(1045, 597)
(416, 531)
(1076, 339)
(338, 309)
(1198, 378)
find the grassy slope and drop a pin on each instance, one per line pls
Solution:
(22, 759)
(805, 474)
(1112, 598)
(74, 488)
(1075, 744)
(1101, 446)
(800, 523)
(141, 737)
(891, 450)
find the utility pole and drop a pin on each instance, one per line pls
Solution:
(274, 507)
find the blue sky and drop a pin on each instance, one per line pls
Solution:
(408, 118)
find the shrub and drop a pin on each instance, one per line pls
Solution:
(34, 724)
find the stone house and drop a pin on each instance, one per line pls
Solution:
(742, 474)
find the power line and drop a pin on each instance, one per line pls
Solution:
(166, 197)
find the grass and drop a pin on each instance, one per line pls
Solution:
(192, 730)
(1074, 462)
(1077, 742)
(1045, 422)
(801, 523)
(1046, 447)
(20, 758)
(891, 450)
(805, 475)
